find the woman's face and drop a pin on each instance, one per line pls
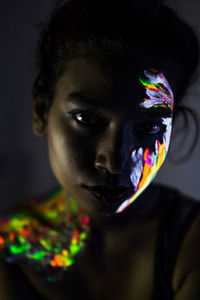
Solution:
(108, 131)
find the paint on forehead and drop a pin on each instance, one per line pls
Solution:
(151, 163)
(158, 90)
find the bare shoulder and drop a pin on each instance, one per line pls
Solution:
(188, 256)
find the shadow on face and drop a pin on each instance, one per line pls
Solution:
(98, 133)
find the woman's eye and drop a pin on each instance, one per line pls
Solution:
(86, 118)
(150, 128)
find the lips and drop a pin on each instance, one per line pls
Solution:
(111, 195)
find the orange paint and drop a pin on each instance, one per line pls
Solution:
(11, 236)
(1, 240)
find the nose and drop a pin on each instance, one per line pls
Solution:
(113, 151)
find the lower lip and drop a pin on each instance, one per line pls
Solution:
(114, 200)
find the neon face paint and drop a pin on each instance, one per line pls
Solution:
(51, 234)
(147, 162)
(167, 135)
(48, 234)
(158, 90)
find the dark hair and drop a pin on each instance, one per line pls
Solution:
(78, 26)
(146, 29)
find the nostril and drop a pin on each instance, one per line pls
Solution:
(115, 161)
(100, 162)
(99, 166)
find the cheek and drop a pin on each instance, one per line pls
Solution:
(69, 152)
(146, 163)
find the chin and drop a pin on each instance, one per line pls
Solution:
(110, 209)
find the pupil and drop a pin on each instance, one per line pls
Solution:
(86, 118)
(152, 127)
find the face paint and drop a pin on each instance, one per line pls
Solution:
(158, 90)
(167, 135)
(146, 163)
(51, 234)
(48, 234)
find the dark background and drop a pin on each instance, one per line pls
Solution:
(24, 165)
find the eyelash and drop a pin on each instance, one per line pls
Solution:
(85, 114)
(141, 129)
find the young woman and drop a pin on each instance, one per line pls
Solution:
(111, 75)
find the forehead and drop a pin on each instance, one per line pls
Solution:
(103, 78)
(114, 83)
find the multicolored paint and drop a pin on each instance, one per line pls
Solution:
(49, 234)
(146, 163)
(157, 89)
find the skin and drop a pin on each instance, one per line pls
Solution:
(101, 155)
(98, 150)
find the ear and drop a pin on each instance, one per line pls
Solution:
(39, 115)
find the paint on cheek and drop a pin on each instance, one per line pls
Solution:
(137, 159)
(147, 163)
(151, 162)
(167, 135)
(158, 90)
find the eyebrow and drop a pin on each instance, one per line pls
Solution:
(82, 98)
(157, 111)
